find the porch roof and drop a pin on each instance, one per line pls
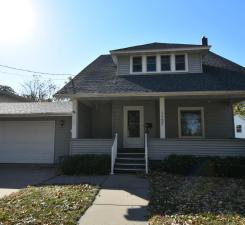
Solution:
(100, 77)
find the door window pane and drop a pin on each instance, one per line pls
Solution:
(191, 123)
(151, 63)
(133, 123)
(137, 64)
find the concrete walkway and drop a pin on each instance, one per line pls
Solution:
(122, 200)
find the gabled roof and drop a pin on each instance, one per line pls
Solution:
(158, 46)
(100, 77)
(36, 109)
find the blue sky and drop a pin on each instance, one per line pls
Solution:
(67, 35)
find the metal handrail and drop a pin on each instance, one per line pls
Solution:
(146, 153)
(113, 153)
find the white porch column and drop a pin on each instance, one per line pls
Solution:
(162, 117)
(74, 129)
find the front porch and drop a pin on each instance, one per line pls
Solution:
(189, 126)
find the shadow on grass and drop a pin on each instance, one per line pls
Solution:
(173, 195)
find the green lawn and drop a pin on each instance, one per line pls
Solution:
(187, 200)
(47, 205)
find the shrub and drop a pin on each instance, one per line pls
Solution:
(203, 166)
(85, 164)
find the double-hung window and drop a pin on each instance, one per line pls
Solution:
(151, 63)
(165, 63)
(180, 63)
(137, 64)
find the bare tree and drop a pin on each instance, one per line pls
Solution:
(38, 90)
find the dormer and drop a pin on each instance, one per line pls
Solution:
(160, 58)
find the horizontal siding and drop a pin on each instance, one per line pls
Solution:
(195, 63)
(123, 67)
(158, 149)
(90, 146)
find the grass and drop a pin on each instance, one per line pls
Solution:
(48, 205)
(188, 200)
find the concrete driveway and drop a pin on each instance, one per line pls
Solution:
(14, 177)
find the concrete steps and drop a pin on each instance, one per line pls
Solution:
(130, 160)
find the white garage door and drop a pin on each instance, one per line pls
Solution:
(27, 141)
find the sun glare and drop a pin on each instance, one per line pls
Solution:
(16, 21)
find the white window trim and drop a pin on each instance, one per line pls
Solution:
(179, 121)
(158, 64)
(146, 63)
(186, 63)
(131, 64)
(171, 63)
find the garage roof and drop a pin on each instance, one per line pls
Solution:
(36, 109)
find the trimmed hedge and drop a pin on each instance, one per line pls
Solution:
(202, 166)
(85, 164)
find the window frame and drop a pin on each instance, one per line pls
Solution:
(201, 109)
(132, 65)
(185, 60)
(158, 63)
(171, 62)
(147, 63)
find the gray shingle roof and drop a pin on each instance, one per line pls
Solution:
(36, 108)
(219, 74)
(157, 45)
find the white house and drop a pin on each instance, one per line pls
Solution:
(239, 123)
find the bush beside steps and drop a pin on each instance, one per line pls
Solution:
(202, 166)
(85, 164)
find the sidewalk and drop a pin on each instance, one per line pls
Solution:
(122, 200)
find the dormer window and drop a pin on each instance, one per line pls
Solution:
(180, 62)
(165, 63)
(159, 63)
(137, 64)
(151, 63)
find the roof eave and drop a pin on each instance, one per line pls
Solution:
(119, 52)
(154, 94)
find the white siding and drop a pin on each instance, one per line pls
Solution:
(238, 120)
(158, 148)
(90, 146)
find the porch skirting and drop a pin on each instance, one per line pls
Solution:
(161, 148)
(90, 146)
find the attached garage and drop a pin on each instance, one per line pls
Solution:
(34, 132)
(27, 141)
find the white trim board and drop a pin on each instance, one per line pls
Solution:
(155, 94)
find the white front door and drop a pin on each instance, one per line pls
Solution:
(133, 127)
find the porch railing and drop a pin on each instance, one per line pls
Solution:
(146, 153)
(113, 153)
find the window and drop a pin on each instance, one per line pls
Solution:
(191, 122)
(239, 128)
(134, 123)
(159, 63)
(151, 64)
(179, 62)
(137, 64)
(165, 63)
